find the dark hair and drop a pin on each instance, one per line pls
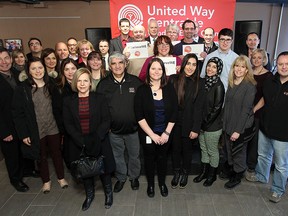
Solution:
(124, 20)
(97, 55)
(2, 49)
(34, 38)
(47, 86)
(250, 33)
(188, 21)
(282, 54)
(163, 78)
(159, 41)
(180, 85)
(225, 32)
(70, 38)
(62, 79)
(46, 52)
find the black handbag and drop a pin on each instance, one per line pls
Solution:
(87, 166)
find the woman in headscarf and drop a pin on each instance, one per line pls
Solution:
(211, 128)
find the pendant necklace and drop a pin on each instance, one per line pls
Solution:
(154, 92)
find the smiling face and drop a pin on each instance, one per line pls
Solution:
(153, 29)
(163, 49)
(211, 69)
(139, 33)
(172, 34)
(117, 66)
(50, 61)
(36, 70)
(84, 50)
(83, 84)
(282, 66)
(190, 67)
(225, 43)
(69, 71)
(62, 50)
(95, 63)
(257, 59)
(240, 70)
(103, 47)
(155, 71)
(72, 44)
(208, 36)
(5, 62)
(189, 30)
(124, 28)
(252, 41)
(20, 59)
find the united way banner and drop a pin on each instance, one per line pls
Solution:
(210, 13)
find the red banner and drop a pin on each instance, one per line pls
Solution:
(210, 13)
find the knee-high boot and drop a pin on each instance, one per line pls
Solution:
(212, 176)
(107, 185)
(89, 190)
(203, 174)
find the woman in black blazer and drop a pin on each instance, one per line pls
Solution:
(87, 121)
(191, 95)
(156, 113)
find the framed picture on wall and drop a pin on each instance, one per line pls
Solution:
(13, 44)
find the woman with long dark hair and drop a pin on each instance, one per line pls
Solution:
(156, 113)
(35, 122)
(190, 90)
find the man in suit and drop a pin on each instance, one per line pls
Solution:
(153, 31)
(196, 36)
(10, 145)
(119, 43)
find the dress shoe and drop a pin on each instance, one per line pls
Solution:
(63, 183)
(20, 186)
(134, 184)
(163, 190)
(46, 187)
(118, 186)
(176, 178)
(150, 191)
(33, 173)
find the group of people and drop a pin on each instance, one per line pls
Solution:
(72, 97)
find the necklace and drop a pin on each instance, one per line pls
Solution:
(258, 73)
(154, 92)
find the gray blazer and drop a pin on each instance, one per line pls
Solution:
(116, 45)
(238, 109)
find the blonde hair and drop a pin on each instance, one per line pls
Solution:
(84, 41)
(76, 76)
(263, 53)
(242, 59)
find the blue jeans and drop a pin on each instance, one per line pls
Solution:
(266, 149)
(120, 143)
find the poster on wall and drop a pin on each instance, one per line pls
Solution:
(13, 44)
(217, 14)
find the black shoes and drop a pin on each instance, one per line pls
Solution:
(203, 174)
(163, 190)
(176, 178)
(184, 179)
(234, 180)
(20, 186)
(108, 196)
(87, 202)
(119, 186)
(212, 176)
(150, 191)
(134, 184)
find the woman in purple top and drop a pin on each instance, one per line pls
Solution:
(162, 48)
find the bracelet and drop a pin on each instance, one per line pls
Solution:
(165, 132)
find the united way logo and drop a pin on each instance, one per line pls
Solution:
(131, 12)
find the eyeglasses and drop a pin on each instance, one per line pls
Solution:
(163, 45)
(34, 44)
(172, 32)
(222, 40)
(189, 29)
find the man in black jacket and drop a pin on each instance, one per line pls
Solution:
(9, 142)
(120, 88)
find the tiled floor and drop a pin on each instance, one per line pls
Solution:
(248, 199)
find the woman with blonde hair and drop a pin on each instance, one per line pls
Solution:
(238, 118)
(84, 47)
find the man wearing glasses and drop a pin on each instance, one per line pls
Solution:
(188, 27)
(224, 52)
(72, 44)
(35, 46)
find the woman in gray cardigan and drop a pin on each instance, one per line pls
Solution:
(238, 119)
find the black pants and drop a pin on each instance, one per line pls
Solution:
(252, 148)
(155, 155)
(13, 159)
(181, 150)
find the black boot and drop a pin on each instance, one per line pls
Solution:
(234, 180)
(108, 195)
(203, 174)
(176, 178)
(89, 190)
(212, 176)
(184, 179)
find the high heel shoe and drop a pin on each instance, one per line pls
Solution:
(46, 187)
(63, 183)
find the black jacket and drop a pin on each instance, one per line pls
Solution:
(96, 142)
(212, 115)
(145, 109)
(190, 114)
(120, 97)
